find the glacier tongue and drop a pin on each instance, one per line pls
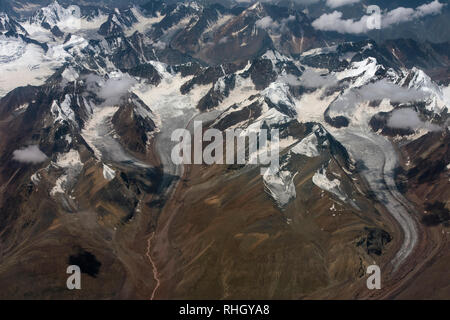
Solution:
(380, 158)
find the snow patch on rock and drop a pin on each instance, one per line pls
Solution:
(72, 165)
(108, 173)
(63, 112)
(307, 147)
(320, 179)
(280, 185)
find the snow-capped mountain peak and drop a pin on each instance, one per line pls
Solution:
(54, 14)
(10, 26)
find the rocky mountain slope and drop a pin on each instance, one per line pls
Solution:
(86, 173)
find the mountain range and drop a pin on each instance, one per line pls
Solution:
(91, 92)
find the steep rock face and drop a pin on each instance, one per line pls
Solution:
(209, 75)
(133, 123)
(328, 61)
(10, 26)
(145, 71)
(242, 114)
(220, 35)
(16, 98)
(424, 178)
(220, 90)
(425, 174)
(261, 73)
(300, 36)
(115, 200)
(422, 55)
(239, 39)
(117, 22)
(375, 240)
(47, 113)
(111, 28)
(187, 69)
(153, 7)
(191, 40)
(175, 16)
(57, 32)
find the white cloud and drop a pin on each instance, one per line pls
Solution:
(386, 90)
(311, 79)
(434, 7)
(30, 154)
(340, 3)
(409, 119)
(112, 89)
(398, 15)
(291, 80)
(115, 88)
(223, 40)
(377, 91)
(334, 22)
(160, 45)
(266, 23)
